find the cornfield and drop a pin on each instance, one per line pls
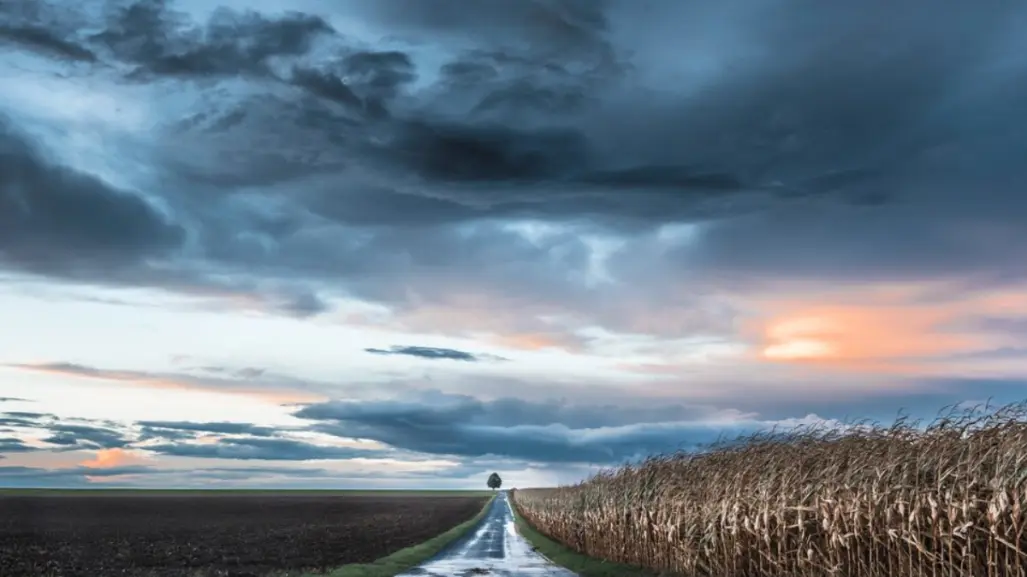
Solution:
(905, 500)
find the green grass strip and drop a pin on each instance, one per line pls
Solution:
(408, 558)
(583, 565)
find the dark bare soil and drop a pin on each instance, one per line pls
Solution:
(234, 535)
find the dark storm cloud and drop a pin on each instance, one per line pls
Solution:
(499, 85)
(363, 82)
(810, 138)
(37, 27)
(901, 241)
(220, 428)
(432, 353)
(162, 41)
(56, 220)
(45, 41)
(261, 449)
(793, 125)
(543, 432)
(568, 29)
(468, 149)
(458, 152)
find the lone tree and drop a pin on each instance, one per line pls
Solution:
(494, 481)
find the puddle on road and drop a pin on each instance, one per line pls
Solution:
(495, 549)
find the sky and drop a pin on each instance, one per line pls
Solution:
(404, 244)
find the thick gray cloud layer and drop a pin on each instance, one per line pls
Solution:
(508, 427)
(555, 431)
(626, 428)
(54, 219)
(361, 145)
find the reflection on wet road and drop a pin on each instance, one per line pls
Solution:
(493, 547)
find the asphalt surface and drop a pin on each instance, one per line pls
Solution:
(492, 547)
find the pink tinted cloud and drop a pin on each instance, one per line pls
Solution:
(893, 329)
(174, 381)
(110, 458)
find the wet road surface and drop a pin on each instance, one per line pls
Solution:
(493, 547)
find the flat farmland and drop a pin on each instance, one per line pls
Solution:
(223, 534)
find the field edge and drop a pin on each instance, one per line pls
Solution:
(407, 558)
(559, 554)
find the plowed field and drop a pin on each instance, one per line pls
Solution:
(225, 536)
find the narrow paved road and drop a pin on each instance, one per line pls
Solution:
(493, 547)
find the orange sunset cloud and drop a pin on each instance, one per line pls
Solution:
(887, 334)
(110, 458)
